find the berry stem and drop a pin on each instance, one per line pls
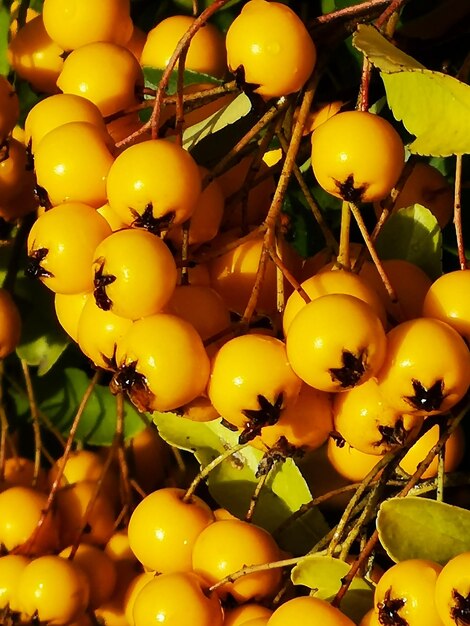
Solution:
(255, 497)
(344, 257)
(313, 206)
(35, 421)
(372, 251)
(207, 469)
(458, 212)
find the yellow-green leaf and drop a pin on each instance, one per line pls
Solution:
(413, 234)
(418, 528)
(324, 574)
(434, 107)
(380, 52)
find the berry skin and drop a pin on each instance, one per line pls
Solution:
(306, 610)
(357, 156)
(206, 52)
(35, 57)
(349, 462)
(404, 594)
(11, 568)
(20, 511)
(251, 382)
(61, 245)
(178, 599)
(9, 108)
(448, 300)
(227, 546)
(336, 342)
(332, 281)
(163, 529)
(69, 22)
(365, 420)
(452, 592)
(57, 110)
(54, 589)
(270, 49)
(134, 273)
(162, 363)
(105, 73)
(426, 368)
(72, 162)
(141, 185)
(68, 308)
(10, 324)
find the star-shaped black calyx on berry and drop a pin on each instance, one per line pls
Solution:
(267, 415)
(388, 610)
(127, 379)
(100, 282)
(348, 190)
(148, 221)
(427, 398)
(34, 268)
(277, 454)
(393, 435)
(352, 370)
(460, 612)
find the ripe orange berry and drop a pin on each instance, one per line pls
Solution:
(252, 381)
(263, 38)
(9, 108)
(68, 308)
(344, 168)
(20, 511)
(178, 599)
(35, 57)
(53, 589)
(225, 547)
(68, 23)
(56, 110)
(10, 324)
(308, 609)
(163, 529)
(141, 187)
(162, 363)
(134, 273)
(452, 590)
(454, 452)
(61, 245)
(426, 367)
(332, 281)
(11, 568)
(336, 342)
(103, 72)
(351, 463)
(448, 300)
(206, 52)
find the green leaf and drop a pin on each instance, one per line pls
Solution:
(4, 26)
(413, 234)
(433, 106)
(418, 528)
(153, 75)
(59, 394)
(324, 574)
(42, 339)
(233, 481)
(380, 52)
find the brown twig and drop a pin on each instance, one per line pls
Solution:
(35, 421)
(255, 497)
(458, 212)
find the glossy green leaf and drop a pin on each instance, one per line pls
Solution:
(153, 75)
(434, 107)
(418, 528)
(42, 339)
(413, 234)
(4, 25)
(324, 574)
(380, 52)
(233, 482)
(59, 394)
